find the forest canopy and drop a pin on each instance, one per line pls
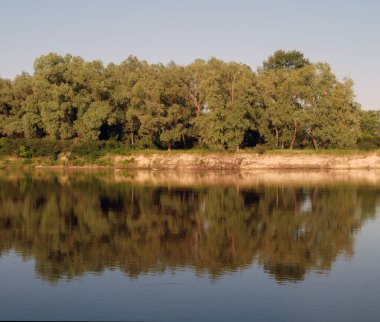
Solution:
(289, 102)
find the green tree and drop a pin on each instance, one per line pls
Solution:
(176, 119)
(332, 113)
(53, 93)
(27, 105)
(283, 104)
(228, 111)
(286, 60)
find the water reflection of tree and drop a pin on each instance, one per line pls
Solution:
(79, 225)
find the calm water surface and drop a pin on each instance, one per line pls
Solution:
(169, 246)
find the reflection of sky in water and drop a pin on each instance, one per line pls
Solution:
(306, 205)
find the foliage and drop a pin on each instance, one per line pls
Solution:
(370, 128)
(89, 149)
(261, 149)
(368, 142)
(24, 152)
(286, 60)
(289, 103)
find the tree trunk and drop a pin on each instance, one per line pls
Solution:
(315, 143)
(132, 138)
(294, 136)
(169, 147)
(276, 137)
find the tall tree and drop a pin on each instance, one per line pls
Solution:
(229, 99)
(286, 60)
(332, 113)
(282, 104)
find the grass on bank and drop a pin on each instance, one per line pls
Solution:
(34, 152)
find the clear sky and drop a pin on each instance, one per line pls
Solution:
(344, 33)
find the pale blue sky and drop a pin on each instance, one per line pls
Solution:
(345, 33)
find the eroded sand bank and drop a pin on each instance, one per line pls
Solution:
(247, 161)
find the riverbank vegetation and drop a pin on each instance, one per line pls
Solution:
(86, 108)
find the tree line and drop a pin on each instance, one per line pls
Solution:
(287, 103)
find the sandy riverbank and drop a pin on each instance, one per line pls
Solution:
(208, 161)
(246, 161)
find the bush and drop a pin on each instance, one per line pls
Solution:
(36, 147)
(7, 147)
(367, 145)
(46, 147)
(54, 155)
(24, 152)
(261, 149)
(115, 147)
(89, 149)
(368, 142)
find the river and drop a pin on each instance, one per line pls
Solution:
(184, 246)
